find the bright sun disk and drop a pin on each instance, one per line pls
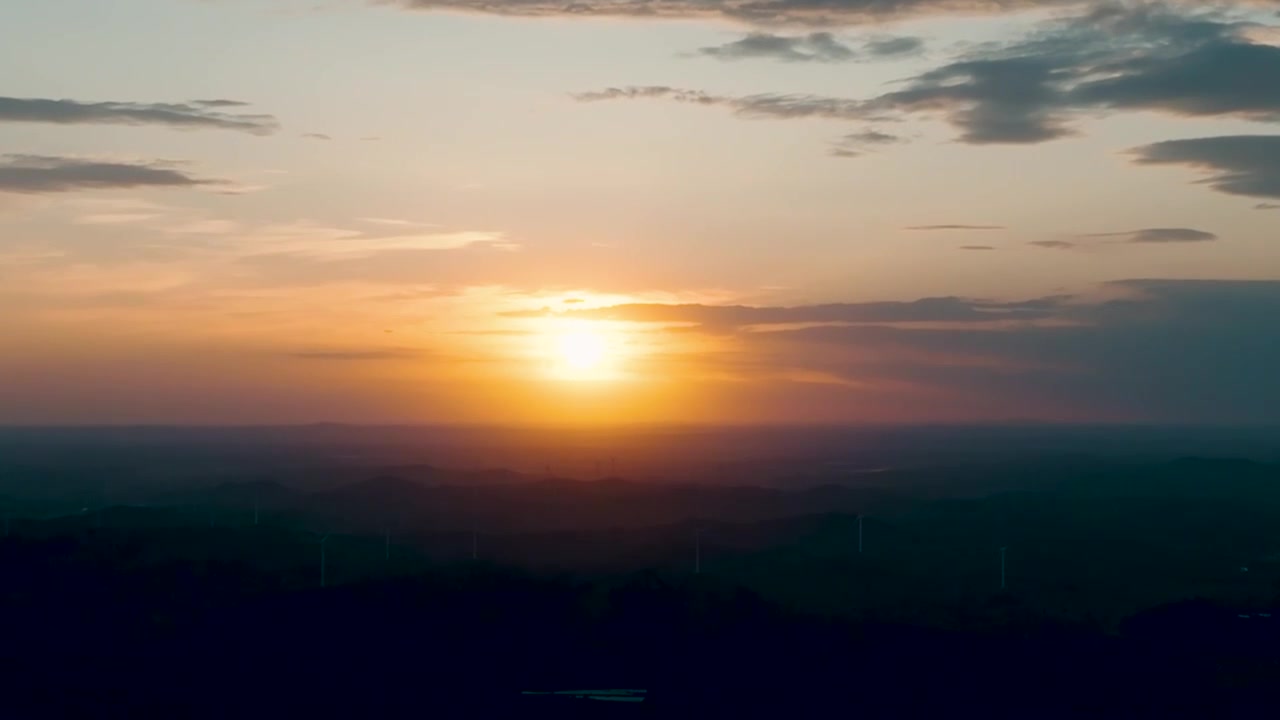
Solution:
(582, 350)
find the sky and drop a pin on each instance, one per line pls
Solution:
(721, 211)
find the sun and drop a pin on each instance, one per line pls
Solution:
(582, 350)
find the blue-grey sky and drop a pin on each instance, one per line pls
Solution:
(224, 211)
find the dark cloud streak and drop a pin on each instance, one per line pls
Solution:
(32, 174)
(776, 106)
(1246, 165)
(860, 143)
(762, 12)
(819, 47)
(1159, 236)
(351, 355)
(955, 227)
(201, 114)
(928, 310)
(1115, 57)
(1158, 350)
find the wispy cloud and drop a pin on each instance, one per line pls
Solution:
(373, 354)
(200, 114)
(777, 106)
(769, 12)
(860, 143)
(1159, 235)
(820, 47)
(816, 47)
(955, 227)
(117, 218)
(925, 310)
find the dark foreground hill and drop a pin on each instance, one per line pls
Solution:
(90, 630)
(1132, 590)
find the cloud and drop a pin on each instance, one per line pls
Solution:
(316, 136)
(200, 114)
(956, 227)
(121, 218)
(1267, 206)
(820, 47)
(1053, 244)
(1246, 165)
(1116, 57)
(892, 47)
(859, 143)
(1172, 350)
(303, 238)
(977, 247)
(1201, 351)
(43, 174)
(371, 354)
(398, 222)
(220, 103)
(1197, 67)
(776, 106)
(762, 12)
(989, 100)
(1159, 235)
(925, 310)
(815, 47)
(645, 91)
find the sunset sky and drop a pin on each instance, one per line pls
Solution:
(523, 211)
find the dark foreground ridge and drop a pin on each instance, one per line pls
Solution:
(90, 631)
(1132, 590)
